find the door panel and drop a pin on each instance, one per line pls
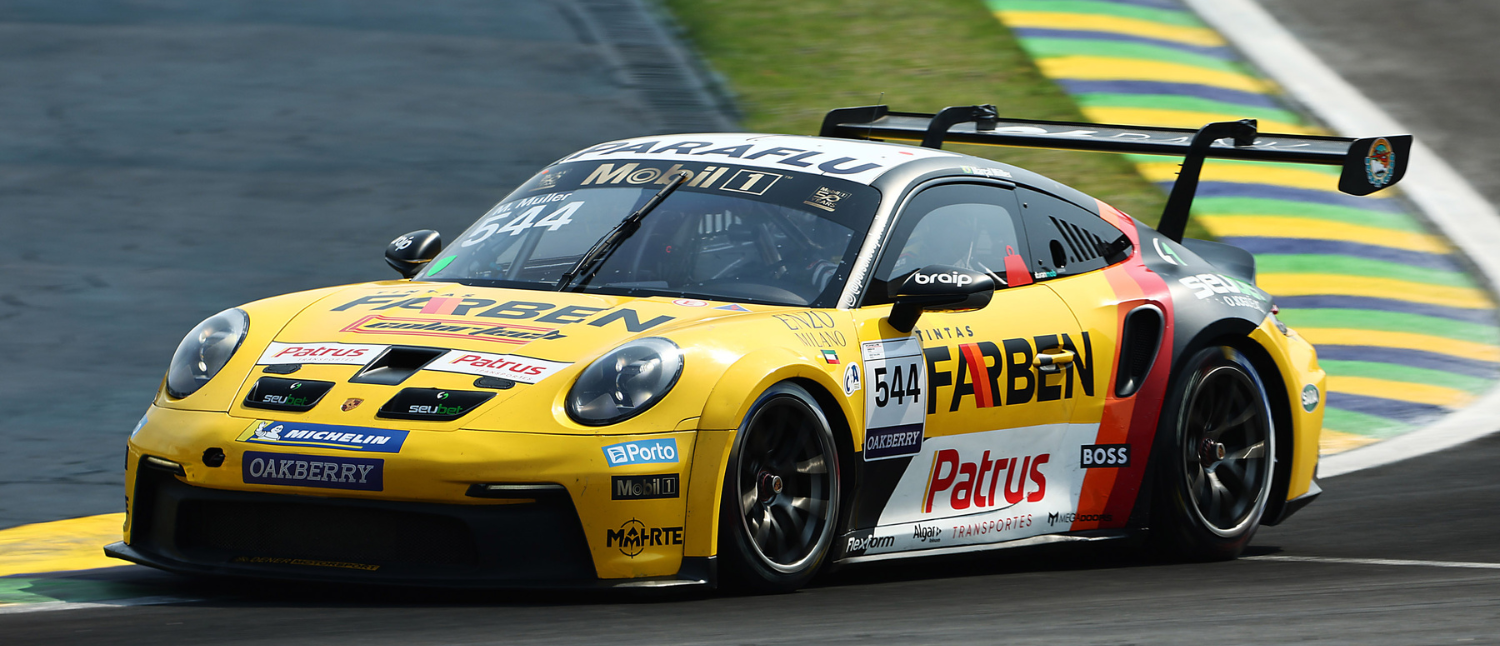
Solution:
(991, 465)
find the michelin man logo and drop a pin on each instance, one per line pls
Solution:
(273, 433)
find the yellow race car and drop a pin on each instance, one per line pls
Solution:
(740, 358)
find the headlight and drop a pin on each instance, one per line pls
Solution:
(625, 382)
(205, 350)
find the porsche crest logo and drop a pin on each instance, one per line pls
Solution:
(351, 404)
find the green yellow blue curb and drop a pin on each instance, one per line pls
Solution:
(1384, 298)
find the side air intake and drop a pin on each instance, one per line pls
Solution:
(1140, 343)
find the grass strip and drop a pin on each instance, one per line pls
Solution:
(790, 61)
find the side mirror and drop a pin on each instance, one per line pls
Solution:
(939, 288)
(409, 253)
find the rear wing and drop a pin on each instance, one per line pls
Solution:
(1369, 164)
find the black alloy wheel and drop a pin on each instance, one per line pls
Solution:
(1219, 458)
(781, 494)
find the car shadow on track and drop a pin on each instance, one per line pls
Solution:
(135, 582)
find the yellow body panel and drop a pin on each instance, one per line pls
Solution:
(523, 434)
(731, 355)
(1298, 363)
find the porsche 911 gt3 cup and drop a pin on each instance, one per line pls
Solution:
(741, 358)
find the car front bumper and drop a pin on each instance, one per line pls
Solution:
(439, 518)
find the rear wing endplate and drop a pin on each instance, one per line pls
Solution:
(1368, 164)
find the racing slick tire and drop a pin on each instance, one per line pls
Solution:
(781, 495)
(1217, 459)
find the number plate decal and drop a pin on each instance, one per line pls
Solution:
(895, 385)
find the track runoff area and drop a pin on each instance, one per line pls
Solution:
(1406, 335)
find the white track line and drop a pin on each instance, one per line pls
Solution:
(1400, 562)
(48, 606)
(1448, 201)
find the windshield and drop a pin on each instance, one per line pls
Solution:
(728, 233)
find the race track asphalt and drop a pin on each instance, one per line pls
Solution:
(1436, 508)
(160, 162)
(291, 228)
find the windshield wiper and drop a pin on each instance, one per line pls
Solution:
(597, 254)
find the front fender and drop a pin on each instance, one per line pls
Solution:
(730, 400)
(726, 407)
(267, 317)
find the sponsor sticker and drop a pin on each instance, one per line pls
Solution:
(1207, 285)
(1094, 456)
(549, 179)
(526, 370)
(689, 302)
(648, 487)
(831, 157)
(485, 308)
(749, 181)
(324, 436)
(1309, 398)
(826, 198)
(276, 560)
(453, 329)
(984, 487)
(355, 354)
(851, 378)
(1024, 480)
(1379, 163)
(860, 542)
(986, 172)
(633, 537)
(662, 451)
(1166, 253)
(949, 278)
(321, 471)
(814, 329)
(1068, 518)
(732, 307)
(895, 411)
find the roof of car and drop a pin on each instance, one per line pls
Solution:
(860, 161)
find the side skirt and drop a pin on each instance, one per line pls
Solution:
(1091, 536)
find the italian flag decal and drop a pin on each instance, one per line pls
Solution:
(831, 357)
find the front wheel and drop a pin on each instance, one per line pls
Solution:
(781, 494)
(1218, 458)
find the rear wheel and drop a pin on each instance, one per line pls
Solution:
(781, 494)
(1218, 459)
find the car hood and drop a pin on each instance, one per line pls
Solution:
(553, 326)
(453, 338)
